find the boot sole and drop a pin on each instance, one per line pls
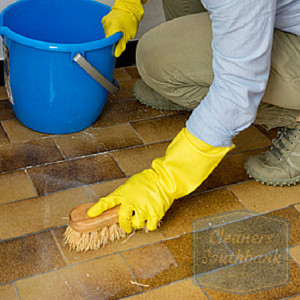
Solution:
(155, 105)
(267, 181)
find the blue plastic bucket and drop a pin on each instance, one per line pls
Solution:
(48, 90)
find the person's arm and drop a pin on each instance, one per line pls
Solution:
(242, 43)
(146, 196)
(242, 40)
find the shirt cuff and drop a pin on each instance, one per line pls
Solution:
(205, 126)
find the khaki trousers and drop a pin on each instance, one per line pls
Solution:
(175, 59)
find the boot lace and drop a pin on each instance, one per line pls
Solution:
(281, 144)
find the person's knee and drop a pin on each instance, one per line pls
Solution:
(149, 59)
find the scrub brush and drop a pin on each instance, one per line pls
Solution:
(84, 233)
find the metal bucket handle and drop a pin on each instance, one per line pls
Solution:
(112, 87)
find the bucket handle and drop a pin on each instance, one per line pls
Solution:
(113, 88)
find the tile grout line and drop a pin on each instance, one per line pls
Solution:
(134, 130)
(53, 136)
(203, 289)
(130, 270)
(234, 195)
(117, 164)
(64, 159)
(58, 246)
(58, 269)
(16, 290)
(44, 195)
(163, 286)
(75, 263)
(242, 262)
(274, 210)
(29, 178)
(120, 252)
(165, 238)
(291, 297)
(246, 218)
(59, 149)
(291, 257)
(49, 136)
(109, 152)
(26, 141)
(225, 244)
(253, 213)
(6, 134)
(101, 182)
(88, 194)
(31, 233)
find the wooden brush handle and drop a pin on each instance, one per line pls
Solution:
(81, 222)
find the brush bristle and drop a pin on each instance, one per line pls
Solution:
(94, 240)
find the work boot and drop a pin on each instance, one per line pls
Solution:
(281, 164)
(146, 95)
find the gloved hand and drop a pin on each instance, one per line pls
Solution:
(146, 196)
(125, 16)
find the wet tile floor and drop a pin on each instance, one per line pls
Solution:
(191, 256)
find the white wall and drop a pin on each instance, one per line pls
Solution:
(153, 16)
(3, 4)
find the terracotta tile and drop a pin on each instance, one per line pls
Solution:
(255, 152)
(165, 262)
(295, 253)
(97, 140)
(105, 278)
(249, 139)
(17, 132)
(3, 94)
(161, 263)
(133, 72)
(174, 112)
(28, 216)
(261, 198)
(270, 134)
(59, 176)
(228, 277)
(125, 92)
(207, 206)
(103, 189)
(208, 253)
(135, 160)
(140, 238)
(229, 171)
(122, 112)
(3, 138)
(255, 236)
(21, 155)
(28, 256)
(160, 129)
(291, 216)
(6, 111)
(185, 289)
(8, 292)
(120, 74)
(15, 186)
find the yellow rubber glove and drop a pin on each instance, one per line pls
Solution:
(146, 196)
(124, 16)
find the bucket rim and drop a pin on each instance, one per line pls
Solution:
(6, 32)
